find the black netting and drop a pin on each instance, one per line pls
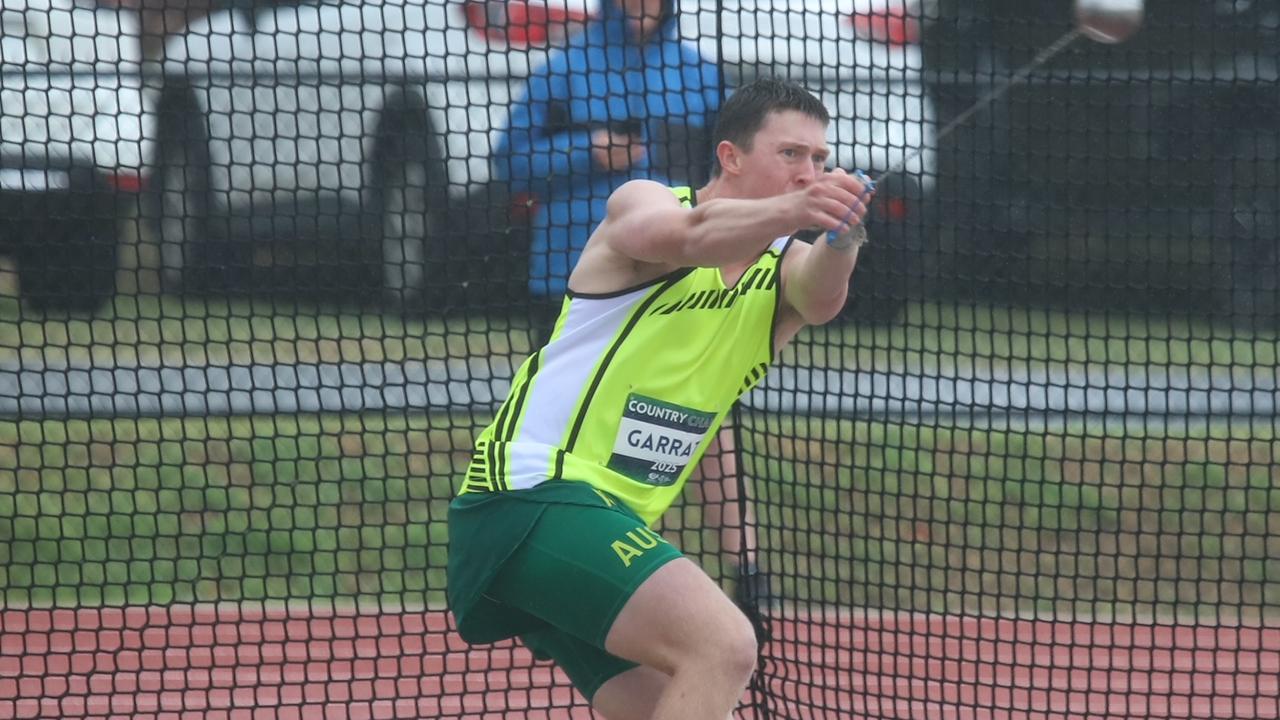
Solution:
(267, 269)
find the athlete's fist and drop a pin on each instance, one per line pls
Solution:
(836, 201)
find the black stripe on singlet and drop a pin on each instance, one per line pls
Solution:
(559, 470)
(636, 315)
(510, 414)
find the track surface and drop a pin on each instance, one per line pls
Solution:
(223, 662)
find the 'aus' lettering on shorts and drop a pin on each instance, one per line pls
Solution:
(634, 543)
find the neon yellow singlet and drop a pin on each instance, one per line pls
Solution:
(632, 385)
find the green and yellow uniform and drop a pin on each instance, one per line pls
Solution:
(601, 428)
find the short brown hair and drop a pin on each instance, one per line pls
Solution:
(744, 113)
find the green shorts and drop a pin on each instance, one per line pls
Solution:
(566, 560)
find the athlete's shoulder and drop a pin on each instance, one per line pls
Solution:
(647, 193)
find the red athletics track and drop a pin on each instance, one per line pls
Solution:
(226, 662)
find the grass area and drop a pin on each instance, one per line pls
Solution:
(204, 509)
(936, 338)
(351, 508)
(154, 330)
(930, 338)
(984, 521)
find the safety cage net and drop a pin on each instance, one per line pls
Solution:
(267, 269)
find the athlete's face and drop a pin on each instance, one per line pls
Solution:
(788, 153)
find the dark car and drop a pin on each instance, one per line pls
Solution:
(72, 137)
(1138, 174)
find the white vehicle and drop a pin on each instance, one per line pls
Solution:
(71, 144)
(366, 122)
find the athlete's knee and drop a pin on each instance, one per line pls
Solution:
(730, 650)
(740, 650)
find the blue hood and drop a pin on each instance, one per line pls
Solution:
(618, 30)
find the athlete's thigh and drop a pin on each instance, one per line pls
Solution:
(680, 614)
(579, 566)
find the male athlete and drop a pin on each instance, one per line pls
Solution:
(678, 304)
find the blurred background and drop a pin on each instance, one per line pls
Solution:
(343, 150)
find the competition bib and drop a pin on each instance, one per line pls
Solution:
(656, 439)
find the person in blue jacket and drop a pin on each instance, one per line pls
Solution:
(622, 100)
(625, 98)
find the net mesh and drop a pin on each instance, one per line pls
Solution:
(268, 268)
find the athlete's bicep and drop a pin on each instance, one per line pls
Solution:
(645, 221)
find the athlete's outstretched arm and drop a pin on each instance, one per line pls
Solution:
(646, 222)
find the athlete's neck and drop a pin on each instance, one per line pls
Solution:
(715, 188)
(727, 187)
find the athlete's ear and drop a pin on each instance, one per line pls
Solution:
(730, 157)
